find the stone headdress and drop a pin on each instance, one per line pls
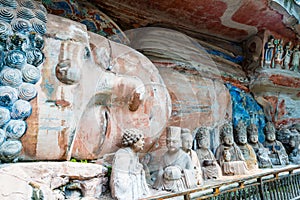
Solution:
(173, 133)
(250, 129)
(185, 132)
(202, 133)
(270, 127)
(226, 130)
(240, 129)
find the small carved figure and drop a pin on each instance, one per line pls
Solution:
(128, 176)
(295, 59)
(187, 143)
(246, 149)
(277, 152)
(278, 54)
(209, 165)
(227, 155)
(294, 156)
(261, 152)
(176, 171)
(287, 56)
(269, 52)
(236, 165)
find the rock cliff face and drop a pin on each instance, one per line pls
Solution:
(46, 180)
(92, 88)
(280, 88)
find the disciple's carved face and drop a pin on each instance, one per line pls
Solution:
(139, 145)
(203, 142)
(270, 132)
(292, 143)
(202, 138)
(228, 140)
(253, 138)
(252, 131)
(173, 144)
(187, 142)
(242, 138)
(270, 136)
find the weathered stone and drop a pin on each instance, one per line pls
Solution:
(280, 89)
(22, 180)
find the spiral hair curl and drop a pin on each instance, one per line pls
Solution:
(131, 136)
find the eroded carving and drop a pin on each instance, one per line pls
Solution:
(128, 176)
(246, 149)
(294, 156)
(209, 165)
(229, 155)
(187, 144)
(269, 52)
(295, 59)
(176, 171)
(280, 56)
(261, 152)
(277, 151)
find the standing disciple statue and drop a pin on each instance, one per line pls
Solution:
(287, 56)
(246, 149)
(295, 59)
(261, 152)
(294, 156)
(209, 165)
(277, 152)
(233, 165)
(176, 171)
(187, 144)
(128, 176)
(269, 52)
(278, 54)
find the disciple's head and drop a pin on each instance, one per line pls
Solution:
(227, 135)
(187, 139)
(241, 133)
(270, 132)
(173, 139)
(252, 133)
(202, 137)
(133, 138)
